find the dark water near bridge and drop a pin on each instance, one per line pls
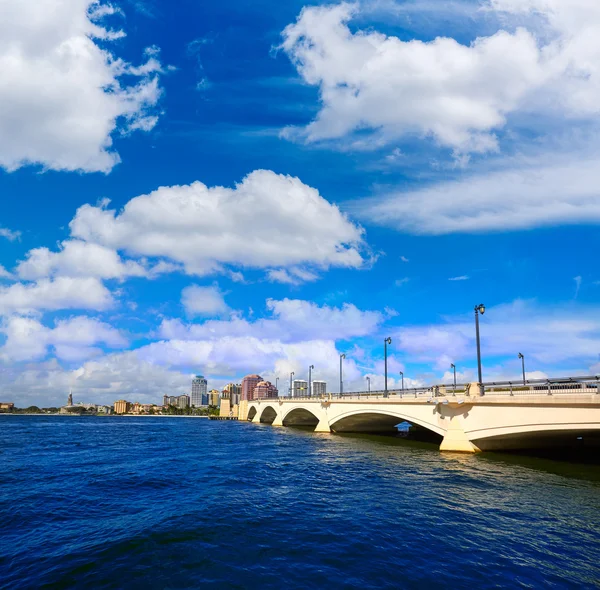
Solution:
(186, 503)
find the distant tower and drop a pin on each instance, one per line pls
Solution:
(199, 391)
(70, 400)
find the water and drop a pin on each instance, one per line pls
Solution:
(187, 503)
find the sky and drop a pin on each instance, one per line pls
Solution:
(257, 187)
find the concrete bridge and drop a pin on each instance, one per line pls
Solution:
(470, 418)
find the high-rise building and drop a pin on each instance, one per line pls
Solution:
(299, 388)
(249, 382)
(233, 392)
(265, 390)
(183, 401)
(319, 388)
(165, 400)
(199, 391)
(213, 397)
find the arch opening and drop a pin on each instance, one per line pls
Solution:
(549, 440)
(300, 417)
(251, 413)
(268, 415)
(381, 423)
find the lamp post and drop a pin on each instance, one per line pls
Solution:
(522, 357)
(479, 309)
(402, 375)
(276, 384)
(342, 357)
(309, 380)
(453, 366)
(291, 377)
(386, 341)
(369, 384)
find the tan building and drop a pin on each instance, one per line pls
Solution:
(213, 397)
(122, 407)
(6, 407)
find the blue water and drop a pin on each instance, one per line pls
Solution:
(187, 503)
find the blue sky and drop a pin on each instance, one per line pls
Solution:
(257, 187)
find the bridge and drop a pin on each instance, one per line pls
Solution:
(466, 418)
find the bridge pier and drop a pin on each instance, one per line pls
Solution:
(323, 425)
(455, 439)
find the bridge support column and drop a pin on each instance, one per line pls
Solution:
(256, 419)
(323, 425)
(456, 440)
(278, 421)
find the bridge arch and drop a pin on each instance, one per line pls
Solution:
(268, 415)
(376, 420)
(252, 412)
(300, 417)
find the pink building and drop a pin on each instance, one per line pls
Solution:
(249, 383)
(265, 390)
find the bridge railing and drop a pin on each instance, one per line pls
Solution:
(550, 386)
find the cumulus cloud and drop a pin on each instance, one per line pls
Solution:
(103, 380)
(4, 274)
(77, 259)
(266, 221)
(203, 301)
(293, 276)
(291, 320)
(63, 93)
(61, 293)
(460, 278)
(72, 340)
(458, 94)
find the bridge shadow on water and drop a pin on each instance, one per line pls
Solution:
(572, 462)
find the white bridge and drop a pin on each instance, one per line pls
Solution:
(470, 419)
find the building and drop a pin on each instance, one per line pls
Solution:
(6, 407)
(299, 388)
(265, 390)
(122, 407)
(249, 382)
(105, 410)
(213, 397)
(183, 401)
(199, 391)
(233, 392)
(319, 388)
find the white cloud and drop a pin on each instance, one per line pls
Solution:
(291, 320)
(400, 282)
(4, 274)
(10, 235)
(267, 220)
(577, 286)
(103, 380)
(77, 259)
(546, 336)
(460, 278)
(553, 190)
(458, 94)
(61, 293)
(62, 94)
(293, 276)
(203, 301)
(72, 340)
(404, 259)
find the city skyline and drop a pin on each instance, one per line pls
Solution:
(266, 188)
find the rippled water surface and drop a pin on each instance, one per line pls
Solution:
(187, 503)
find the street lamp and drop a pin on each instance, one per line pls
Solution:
(276, 384)
(386, 341)
(291, 377)
(369, 383)
(402, 375)
(479, 309)
(522, 357)
(453, 366)
(342, 357)
(309, 380)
